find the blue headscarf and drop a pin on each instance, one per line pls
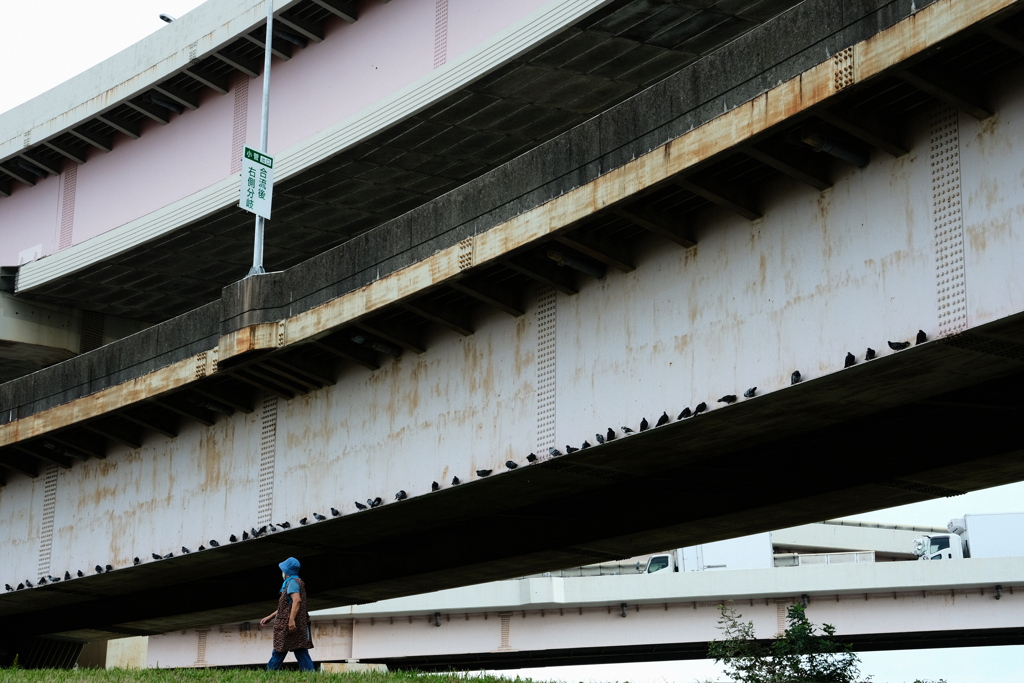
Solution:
(290, 567)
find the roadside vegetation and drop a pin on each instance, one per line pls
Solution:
(803, 652)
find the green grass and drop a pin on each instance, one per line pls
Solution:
(233, 676)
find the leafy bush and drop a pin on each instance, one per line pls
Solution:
(801, 654)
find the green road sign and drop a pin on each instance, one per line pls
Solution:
(257, 187)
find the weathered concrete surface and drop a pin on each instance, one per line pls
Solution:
(715, 84)
(820, 275)
(35, 335)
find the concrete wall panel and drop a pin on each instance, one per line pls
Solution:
(990, 154)
(30, 218)
(461, 633)
(819, 275)
(165, 164)
(21, 509)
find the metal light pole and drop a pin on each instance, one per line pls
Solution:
(257, 247)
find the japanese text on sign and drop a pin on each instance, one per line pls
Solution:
(257, 182)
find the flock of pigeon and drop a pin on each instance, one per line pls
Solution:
(434, 486)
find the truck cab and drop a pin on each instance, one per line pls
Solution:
(939, 547)
(658, 563)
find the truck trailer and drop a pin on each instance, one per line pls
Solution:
(989, 535)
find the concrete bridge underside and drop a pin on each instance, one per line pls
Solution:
(259, 408)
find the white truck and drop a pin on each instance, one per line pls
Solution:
(746, 552)
(991, 535)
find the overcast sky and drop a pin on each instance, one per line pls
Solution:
(49, 41)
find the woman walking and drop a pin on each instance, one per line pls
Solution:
(291, 620)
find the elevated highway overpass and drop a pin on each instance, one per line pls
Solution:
(692, 242)
(874, 598)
